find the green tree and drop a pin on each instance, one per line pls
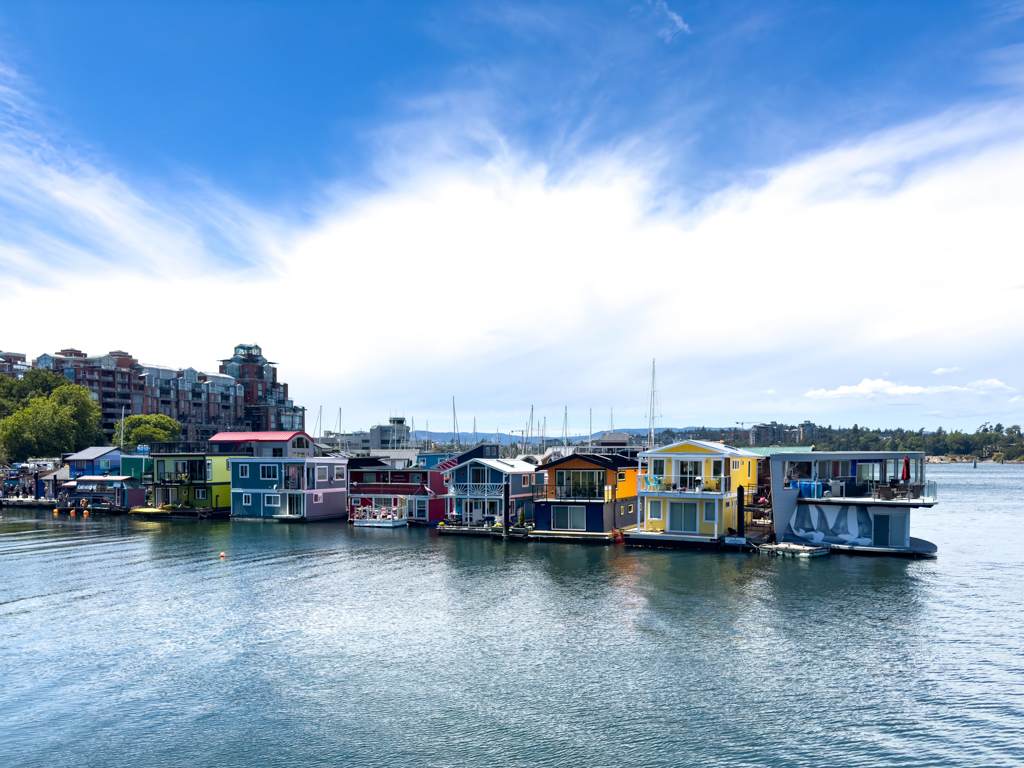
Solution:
(151, 428)
(16, 394)
(65, 420)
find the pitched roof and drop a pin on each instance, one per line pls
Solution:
(91, 453)
(707, 445)
(606, 460)
(256, 437)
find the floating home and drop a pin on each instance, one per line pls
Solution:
(94, 461)
(192, 479)
(585, 493)
(852, 501)
(693, 495)
(282, 476)
(480, 485)
(373, 484)
(104, 494)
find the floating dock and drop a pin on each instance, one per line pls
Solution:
(789, 549)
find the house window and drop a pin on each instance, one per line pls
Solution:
(421, 508)
(272, 500)
(318, 498)
(243, 470)
(526, 481)
(629, 509)
(268, 471)
(246, 499)
(369, 477)
(735, 464)
(278, 453)
(658, 467)
(104, 463)
(200, 494)
(209, 470)
(339, 472)
(569, 518)
(621, 477)
(321, 474)
(748, 469)
(709, 511)
(654, 509)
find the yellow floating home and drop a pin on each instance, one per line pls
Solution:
(689, 494)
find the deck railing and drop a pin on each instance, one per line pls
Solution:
(575, 492)
(476, 489)
(685, 484)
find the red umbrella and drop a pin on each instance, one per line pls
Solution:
(905, 475)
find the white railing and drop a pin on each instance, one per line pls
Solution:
(378, 513)
(684, 484)
(476, 489)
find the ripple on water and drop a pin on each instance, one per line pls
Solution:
(133, 643)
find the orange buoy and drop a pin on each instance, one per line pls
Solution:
(55, 511)
(223, 554)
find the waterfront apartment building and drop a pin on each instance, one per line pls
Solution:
(266, 404)
(12, 364)
(243, 396)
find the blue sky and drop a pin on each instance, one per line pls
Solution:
(803, 210)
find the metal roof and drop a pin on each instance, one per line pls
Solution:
(726, 450)
(91, 453)
(256, 437)
(781, 449)
(606, 460)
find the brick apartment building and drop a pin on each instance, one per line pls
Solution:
(204, 403)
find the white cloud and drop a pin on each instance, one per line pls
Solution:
(1014, 399)
(495, 282)
(873, 387)
(674, 24)
(987, 385)
(940, 371)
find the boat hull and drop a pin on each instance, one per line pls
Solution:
(380, 523)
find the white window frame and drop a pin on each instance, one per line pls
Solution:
(200, 494)
(209, 470)
(318, 498)
(654, 509)
(321, 473)
(243, 470)
(246, 499)
(620, 477)
(272, 500)
(104, 463)
(526, 481)
(339, 472)
(265, 474)
(714, 512)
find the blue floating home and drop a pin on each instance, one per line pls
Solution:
(283, 476)
(586, 493)
(99, 460)
(481, 486)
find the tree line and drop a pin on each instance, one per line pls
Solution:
(45, 415)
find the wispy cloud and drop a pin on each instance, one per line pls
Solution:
(673, 24)
(874, 387)
(987, 385)
(940, 371)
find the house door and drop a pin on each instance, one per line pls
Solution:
(477, 510)
(881, 532)
(295, 504)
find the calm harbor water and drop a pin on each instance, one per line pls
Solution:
(129, 643)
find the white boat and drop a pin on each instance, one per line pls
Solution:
(380, 517)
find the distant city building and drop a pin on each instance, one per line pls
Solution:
(395, 434)
(349, 442)
(12, 364)
(774, 433)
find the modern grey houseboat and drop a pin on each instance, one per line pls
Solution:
(852, 501)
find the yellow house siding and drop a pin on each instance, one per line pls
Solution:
(687, 449)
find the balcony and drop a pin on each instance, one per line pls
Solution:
(850, 491)
(179, 478)
(573, 492)
(684, 484)
(476, 489)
